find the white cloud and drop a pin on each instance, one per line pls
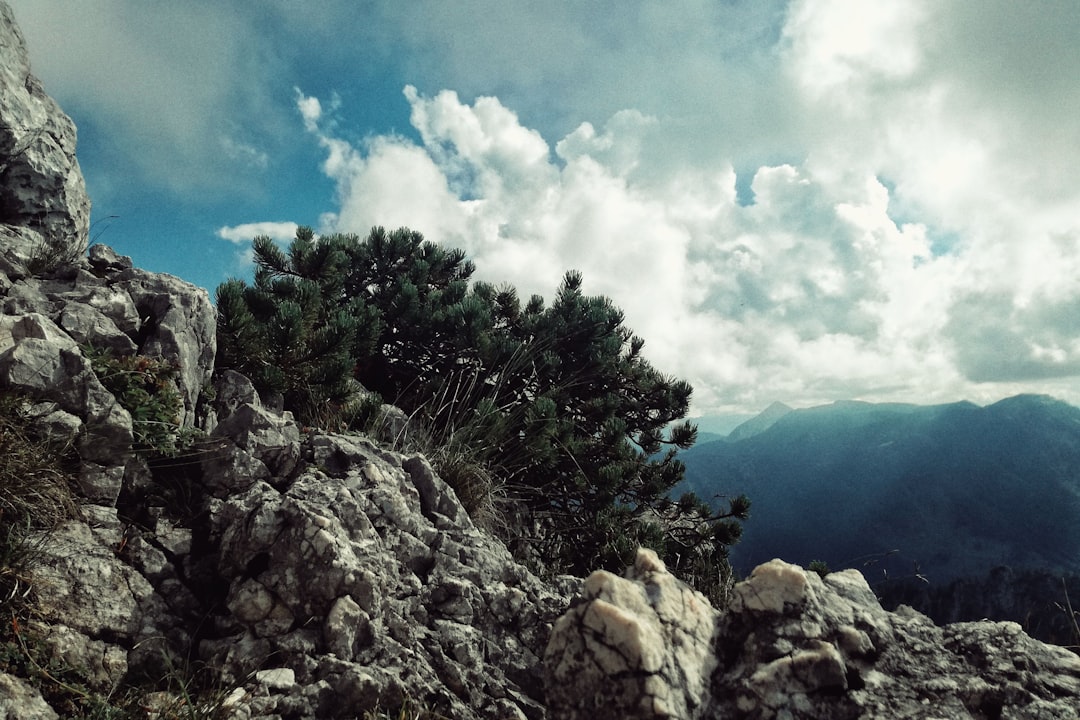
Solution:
(310, 110)
(245, 233)
(811, 291)
(913, 234)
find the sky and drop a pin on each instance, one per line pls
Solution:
(800, 201)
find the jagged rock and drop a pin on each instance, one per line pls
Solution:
(639, 646)
(177, 323)
(40, 359)
(260, 444)
(41, 185)
(792, 645)
(103, 665)
(103, 259)
(352, 566)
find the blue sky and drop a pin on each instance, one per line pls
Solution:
(802, 201)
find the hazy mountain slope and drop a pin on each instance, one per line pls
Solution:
(954, 489)
(760, 423)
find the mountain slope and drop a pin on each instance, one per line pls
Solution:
(760, 423)
(943, 491)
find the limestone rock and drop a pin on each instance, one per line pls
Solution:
(792, 645)
(177, 323)
(41, 185)
(351, 566)
(639, 646)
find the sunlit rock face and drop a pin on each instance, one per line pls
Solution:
(639, 646)
(791, 645)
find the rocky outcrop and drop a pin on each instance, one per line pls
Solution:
(41, 185)
(319, 575)
(355, 572)
(51, 324)
(791, 645)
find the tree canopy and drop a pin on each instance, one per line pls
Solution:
(557, 399)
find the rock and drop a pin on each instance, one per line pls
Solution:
(21, 701)
(103, 259)
(89, 326)
(177, 323)
(103, 665)
(87, 588)
(264, 444)
(353, 549)
(791, 645)
(42, 361)
(41, 185)
(639, 646)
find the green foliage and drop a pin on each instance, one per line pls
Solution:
(820, 567)
(145, 387)
(556, 401)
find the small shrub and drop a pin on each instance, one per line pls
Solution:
(53, 253)
(820, 567)
(145, 387)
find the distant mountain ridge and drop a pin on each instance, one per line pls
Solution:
(760, 423)
(941, 491)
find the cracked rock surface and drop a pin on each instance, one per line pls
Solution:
(638, 646)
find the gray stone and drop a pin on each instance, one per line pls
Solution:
(101, 483)
(180, 325)
(271, 438)
(89, 326)
(19, 700)
(639, 646)
(41, 185)
(103, 259)
(344, 624)
(103, 665)
(43, 361)
(85, 586)
(791, 646)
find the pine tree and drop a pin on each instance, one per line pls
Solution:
(558, 400)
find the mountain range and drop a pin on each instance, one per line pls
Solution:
(899, 490)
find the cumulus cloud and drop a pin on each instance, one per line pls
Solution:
(800, 200)
(245, 233)
(812, 290)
